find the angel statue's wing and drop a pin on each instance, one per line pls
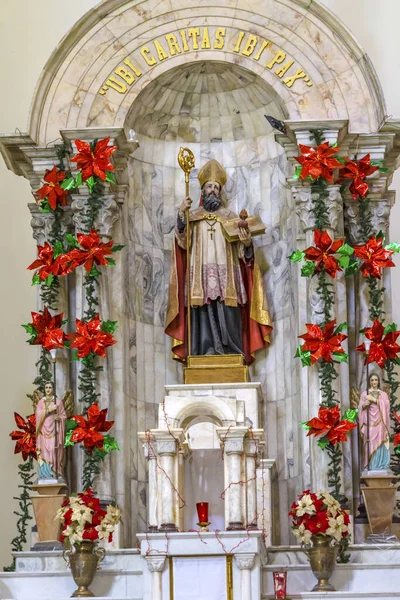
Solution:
(35, 398)
(68, 401)
(354, 397)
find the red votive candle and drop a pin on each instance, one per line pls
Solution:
(202, 511)
(280, 584)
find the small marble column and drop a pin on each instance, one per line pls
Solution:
(233, 442)
(251, 450)
(156, 565)
(152, 494)
(245, 562)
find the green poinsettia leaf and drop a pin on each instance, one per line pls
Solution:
(88, 361)
(383, 170)
(110, 444)
(68, 184)
(394, 247)
(110, 177)
(350, 415)
(323, 442)
(345, 250)
(91, 183)
(305, 357)
(118, 247)
(390, 328)
(58, 249)
(297, 172)
(94, 272)
(111, 261)
(100, 453)
(68, 441)
(49, 280)
(341, 327)
(340, 159)
(296, 256)
(45, 206)
(78, 179)
(380, 235)
(397, 449)
(36, 279)
(308, 269)
(352, 267)
(30, 329)
(109, 326)
(72, 241)
(340, 357)
(396, 361)
(334, 145)
(344, 261)
(305, 426)
(70, 424)
(74, 355)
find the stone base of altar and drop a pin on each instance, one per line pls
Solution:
(131, 574)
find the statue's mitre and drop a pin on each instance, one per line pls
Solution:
(212, 171)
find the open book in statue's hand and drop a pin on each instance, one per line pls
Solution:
(254, 224)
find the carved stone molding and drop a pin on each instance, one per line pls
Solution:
(155, 563)
(42, 223)
(245, 561)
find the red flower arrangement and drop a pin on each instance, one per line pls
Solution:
(83, 519)
(91, 251)
(93, 337)
(45, 330)
(51, 190)
(51, 262)
(94, 162)
(322, 343)
(375, 257)
(383, 345)
(90, 431)
(318, 513)
(358, 171)
(322, 253)
(25, 436)
(318, 162)
(331, 426)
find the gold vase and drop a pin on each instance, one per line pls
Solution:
(83, 563)
(322, 552)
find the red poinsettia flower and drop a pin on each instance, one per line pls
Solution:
(322, 253)
(46, 330)
(94, 251)
(26, 437)
(90, 338)
(328, 423)
(383, 346)
(358, 171)
(317, 523)
(52, 190)
(90, 431)
(318, 162)
(322, 343)
(396, 440)
(90, 533)
(375, 257)
(44, 262)
(94, 162)
(88, 496)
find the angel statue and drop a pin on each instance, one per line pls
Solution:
(51, 414)
(374, 425)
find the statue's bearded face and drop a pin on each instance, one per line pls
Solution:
(211, 195)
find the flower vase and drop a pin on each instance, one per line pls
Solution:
(83, 563)
(322, 552)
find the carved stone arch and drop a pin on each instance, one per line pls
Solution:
(339, 81)
(214, 410)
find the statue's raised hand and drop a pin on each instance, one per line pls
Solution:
(186, 204)
(245, 236)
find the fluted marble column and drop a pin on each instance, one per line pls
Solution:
(156, 565)
(232, 439)
(245, 563)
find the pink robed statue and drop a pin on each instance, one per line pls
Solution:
(374, 408)
(50, 434)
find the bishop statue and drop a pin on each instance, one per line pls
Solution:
(228, 313)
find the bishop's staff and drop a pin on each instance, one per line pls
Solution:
(186, 163)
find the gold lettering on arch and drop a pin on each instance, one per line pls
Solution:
(203, 39)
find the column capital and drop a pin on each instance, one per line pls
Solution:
(245, 561)
(109, 212)
(232, 438)
(163, 442)
(304, 198)
(253, 442)
(42, 223)
(380, 211)
(155, 563)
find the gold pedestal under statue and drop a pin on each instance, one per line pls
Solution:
(214, 368)
(379, 496)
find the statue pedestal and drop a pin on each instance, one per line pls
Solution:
(379, 496)
(226, 368)
(45, 504)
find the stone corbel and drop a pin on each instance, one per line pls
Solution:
(156, 565)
